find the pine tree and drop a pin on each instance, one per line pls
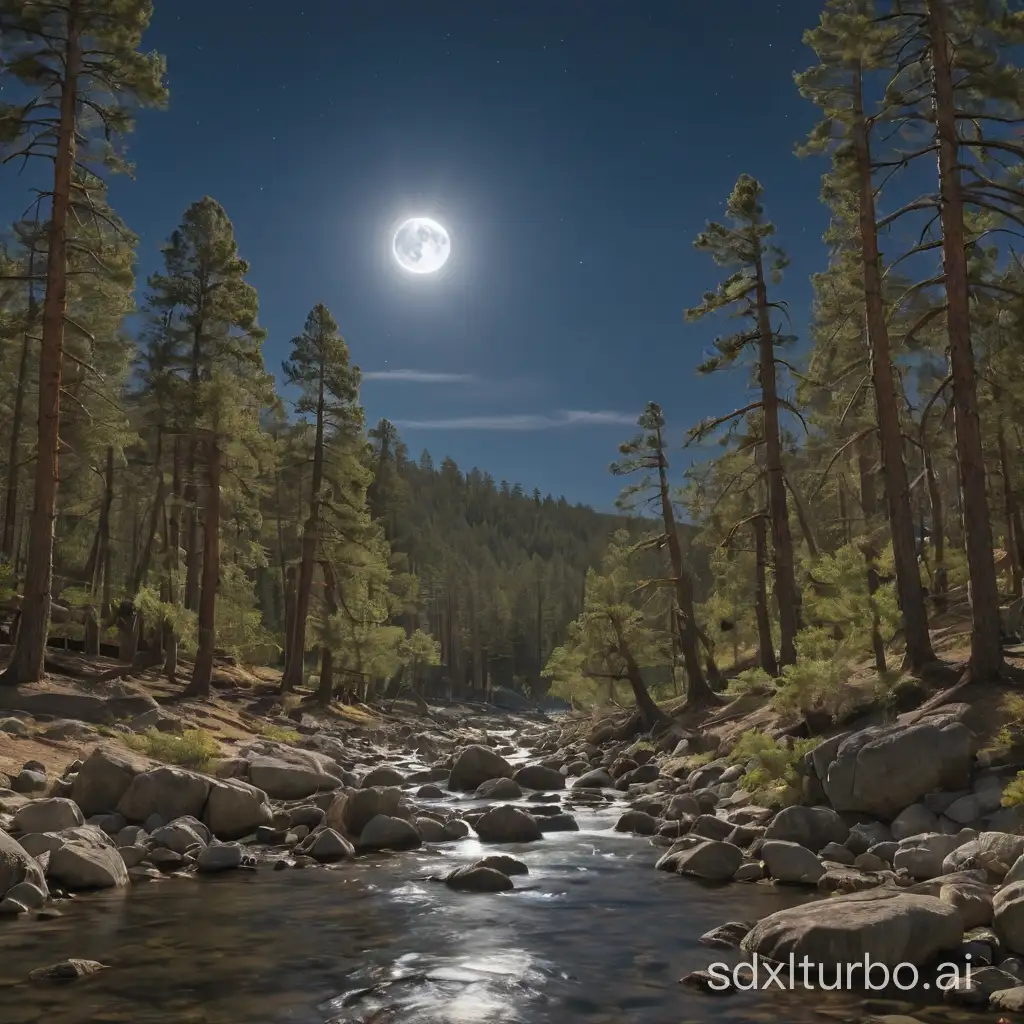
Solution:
(647, 453)
(329, 389)
(744, 246)
(952, 87)
(849, 45)
(79, 64)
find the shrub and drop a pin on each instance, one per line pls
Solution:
(752, 680)
(194, 748)
(1013, 795)
(774, 781)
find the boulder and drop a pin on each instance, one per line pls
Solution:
(596, 779)
(283, 781)
(430, 830)
(478, 878)
(813, 827)
(539, 777)
(50, 815)
(888, 926)
(709, 859)
(1008, 916)
(28, 894)
(102, 780)
(507, 824)
(235, 809)
(864, 835)
(351, 810)
(915, 820)
(973, 901)
(996, 852)
(328, 845)
(219, 857)
(884, 769)
(791, 862)
(563, 822)
(477, 764)
(168, 791)
(87, 859)
(638, 822)
(923, 856)
(179, 836)
(506, 865)
(499, 789)
(385, 833)
(682, 805)
(17, 865)
(382, 776)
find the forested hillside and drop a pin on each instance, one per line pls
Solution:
(158, 487)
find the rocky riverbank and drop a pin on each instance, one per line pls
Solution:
(901, 827)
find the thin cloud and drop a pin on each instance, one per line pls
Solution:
(524, 421)
(419, 376)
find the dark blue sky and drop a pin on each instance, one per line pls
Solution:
(573, 148)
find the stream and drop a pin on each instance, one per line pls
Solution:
(592, 935)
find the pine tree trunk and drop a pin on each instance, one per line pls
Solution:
(325, 691)
(786, 592)
(203, 671)
(142, 568)
(650, 714)
(869, 504)
(698, 692)
(894, 468)
(26, 663)
(765, 643)
(1014, 532)
(940, 578)
(294, 670)
(986, 647)
(7, 543)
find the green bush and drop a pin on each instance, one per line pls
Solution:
(1013, 795)
(774, 781)
(279, 735)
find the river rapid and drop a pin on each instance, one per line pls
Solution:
(593, 934)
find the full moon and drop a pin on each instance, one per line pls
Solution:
(422, 246)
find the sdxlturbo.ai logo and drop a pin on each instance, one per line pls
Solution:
(758, 974)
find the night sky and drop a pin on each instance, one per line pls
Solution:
(573, 148)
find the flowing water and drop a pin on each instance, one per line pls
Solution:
(592, 935)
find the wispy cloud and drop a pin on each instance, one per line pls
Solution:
(418, 376)
(524, 421)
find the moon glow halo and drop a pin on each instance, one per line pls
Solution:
(421, 246)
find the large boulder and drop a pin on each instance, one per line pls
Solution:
(884, 769)
(283, 781)
(888, 926)
(47, 816)
(923, 856)
(478, 878)
(813, 827)
(351, 810)
(102, 780)
(87, 859)
(498, 789)
(382, 776)
(540, 777)
(791, 862)
(507, 824)
(709, 859)
(17, 865)
(1008, 916)
(235, 809)
(995, 852)
(477, 764)
(385, 833)
(167, 791)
